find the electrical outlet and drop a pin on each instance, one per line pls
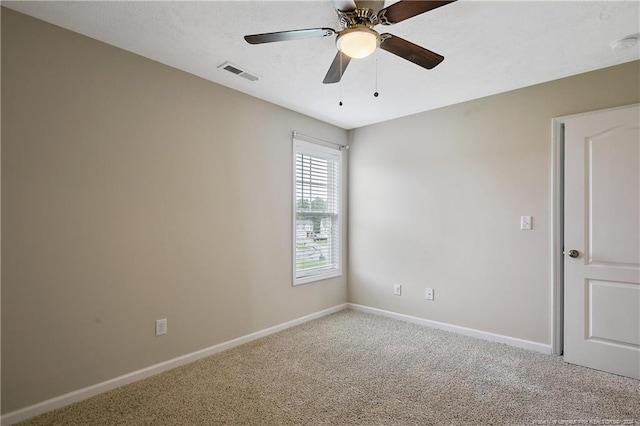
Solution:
(397, 289)
(428, 293)
(161, 327)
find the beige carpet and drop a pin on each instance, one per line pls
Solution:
(354, 368)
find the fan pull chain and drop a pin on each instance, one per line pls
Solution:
(375, 94)
(340, 83)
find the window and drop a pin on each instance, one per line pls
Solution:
(317, 221)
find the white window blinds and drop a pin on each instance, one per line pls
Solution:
(317, 220)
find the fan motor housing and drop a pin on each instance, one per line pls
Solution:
(358, 17)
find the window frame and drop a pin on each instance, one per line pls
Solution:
(333, 154)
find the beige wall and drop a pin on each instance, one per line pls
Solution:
(436, 199)
(132, 191)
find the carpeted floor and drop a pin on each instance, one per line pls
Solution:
(355, 368)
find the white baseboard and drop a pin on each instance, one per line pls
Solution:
(512, 341)
(81, 394)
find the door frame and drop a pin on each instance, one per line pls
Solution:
(557, 225)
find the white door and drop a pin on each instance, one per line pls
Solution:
(602, 231)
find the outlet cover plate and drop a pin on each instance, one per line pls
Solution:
(397, 289)
(161, 327)
(428, 293)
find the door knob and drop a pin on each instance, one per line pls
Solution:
(574, 253)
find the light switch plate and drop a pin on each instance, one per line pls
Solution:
(526, 222)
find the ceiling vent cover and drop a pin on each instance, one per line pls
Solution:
(234, 69)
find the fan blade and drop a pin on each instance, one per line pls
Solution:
(409, 51)
(289, 35)
(405, 9)
(337, 68)
(344, 5)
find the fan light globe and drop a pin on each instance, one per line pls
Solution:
(358, 42)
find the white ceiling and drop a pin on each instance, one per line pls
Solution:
(489, 47)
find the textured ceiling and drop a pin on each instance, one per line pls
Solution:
(489, 47)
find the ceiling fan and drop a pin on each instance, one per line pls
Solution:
(358, 39)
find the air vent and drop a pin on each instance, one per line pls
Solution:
(234, 69)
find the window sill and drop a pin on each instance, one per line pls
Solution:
(314, 278)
